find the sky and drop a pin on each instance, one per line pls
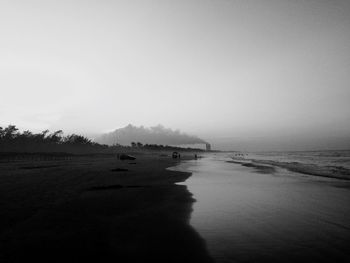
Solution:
(245, 75)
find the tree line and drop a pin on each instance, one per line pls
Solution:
(11, 139)
(139, 145)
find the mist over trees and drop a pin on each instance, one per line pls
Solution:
(154, 135)
(161, 147)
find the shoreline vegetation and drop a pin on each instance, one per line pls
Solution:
(13, 142)
(67, 199)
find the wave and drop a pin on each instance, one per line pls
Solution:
(330, 171)
(264, 169)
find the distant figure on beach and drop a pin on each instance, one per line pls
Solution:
(195, 156)
(176, 155)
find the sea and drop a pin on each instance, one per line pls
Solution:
(318, 158)
(333, 164)
(251, 207)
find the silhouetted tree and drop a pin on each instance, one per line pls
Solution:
(13, 140)
(10, 132)
(2, 132)
(27, 134)
(77, 140)
(56, 137)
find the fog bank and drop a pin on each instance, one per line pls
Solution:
(153, 135)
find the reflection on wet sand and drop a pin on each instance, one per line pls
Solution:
(247, 216)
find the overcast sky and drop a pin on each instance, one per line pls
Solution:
(241, 74)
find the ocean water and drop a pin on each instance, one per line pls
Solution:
(248, 216)
(320, 158)
(334, 164)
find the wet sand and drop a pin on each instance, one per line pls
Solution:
(97, 209)
(253, 213)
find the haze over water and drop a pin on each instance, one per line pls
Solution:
(245, 215)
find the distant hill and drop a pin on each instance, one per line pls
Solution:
(153, 135)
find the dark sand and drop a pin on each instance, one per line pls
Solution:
(96, 208)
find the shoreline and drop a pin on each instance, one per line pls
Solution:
(98, 208)
(247, 214)
(333, 172)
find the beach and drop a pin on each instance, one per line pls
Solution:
(159, 209)
(264, 213)
(97, 208)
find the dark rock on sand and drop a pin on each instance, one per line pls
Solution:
(119, 170)
(126, 157)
